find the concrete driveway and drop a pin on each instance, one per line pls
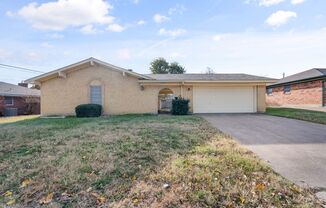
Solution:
(295, 149)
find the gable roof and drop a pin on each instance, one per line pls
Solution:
(153, 77)
(305, 75)
(7, 89)
(90, 61)
(208, 77)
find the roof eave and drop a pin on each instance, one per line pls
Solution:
(18, 95)
(207, 81)
(89, 60)
(34, 79)
(297, 81)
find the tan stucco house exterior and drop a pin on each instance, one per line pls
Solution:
(122, 91)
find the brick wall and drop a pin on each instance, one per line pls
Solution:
(302, 94)
(25, 105)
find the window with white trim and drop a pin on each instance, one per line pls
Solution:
(9, 101)
(96, 95)
(269, 91)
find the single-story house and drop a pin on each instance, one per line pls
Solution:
(305, 89)
(18, 100)
(122, 91)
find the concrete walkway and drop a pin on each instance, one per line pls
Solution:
(295, 149)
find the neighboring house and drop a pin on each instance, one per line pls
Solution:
(18, 100)
(305, 89)
(122, 91)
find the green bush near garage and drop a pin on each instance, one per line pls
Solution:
(180, 106)
(88, 110)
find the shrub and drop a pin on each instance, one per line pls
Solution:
(180, 106)
(88, 110)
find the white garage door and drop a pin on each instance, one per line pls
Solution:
(224, 100)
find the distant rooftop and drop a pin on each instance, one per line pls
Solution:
(7, 89)
(206, 77)
(309, 74)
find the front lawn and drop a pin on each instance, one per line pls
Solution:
(12, 119)
(300, 114)
(135, 161)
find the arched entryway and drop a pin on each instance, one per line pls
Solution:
(165, 97)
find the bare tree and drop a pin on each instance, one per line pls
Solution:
(209, 70)
(32, 105)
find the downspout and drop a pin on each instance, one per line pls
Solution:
(256, 99)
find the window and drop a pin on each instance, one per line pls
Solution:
(269, 91)
(96, 95)
(287, 89)
(9, 101)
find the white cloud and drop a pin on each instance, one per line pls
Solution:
(141, 22)
(60, 14)
(88, 30)
(319, 16)
(10, 14)
(295, 2)
(4, 54)
(177, 9)
(67, 53)
(154, 45)
(268, 54)
(160, 18)
(280, 18)
(253, 52)
(171, 33)
(269, 2)
(123, 54)
(176, 55)
(33, 55)
(217, 38)
(56, 36)
(135, 1)
(115, 28)
(46, 45)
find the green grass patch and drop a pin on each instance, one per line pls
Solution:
(300, 114)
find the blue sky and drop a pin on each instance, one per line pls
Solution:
(262, 37)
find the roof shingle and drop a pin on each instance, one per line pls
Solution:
(206, 77)
(309, 74)
(7, 89)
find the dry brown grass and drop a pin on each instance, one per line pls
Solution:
(12, 119)
(123, 161)
(217, 174)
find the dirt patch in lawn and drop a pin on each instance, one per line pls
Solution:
(124, 161)
(13, 119)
